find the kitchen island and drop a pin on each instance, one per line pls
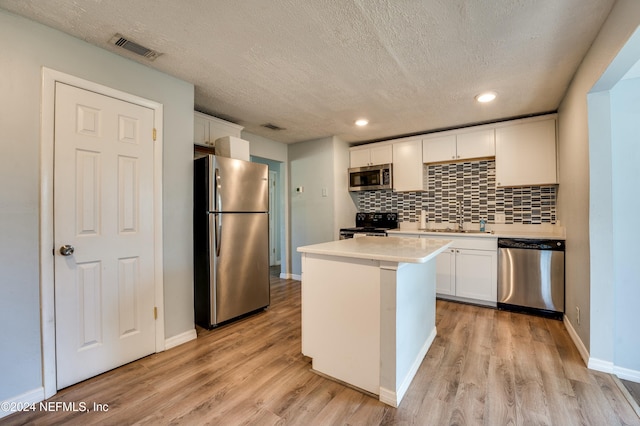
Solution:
(368, 310)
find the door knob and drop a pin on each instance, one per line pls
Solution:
(66, 250)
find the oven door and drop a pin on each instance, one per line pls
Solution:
(345, 235)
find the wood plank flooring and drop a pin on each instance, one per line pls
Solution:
(485, 367)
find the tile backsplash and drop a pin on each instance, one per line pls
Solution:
(472, 183)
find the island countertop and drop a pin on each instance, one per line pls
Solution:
(391, 249)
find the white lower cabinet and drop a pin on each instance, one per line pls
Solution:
(476, 275)
(468, 270)
(446, 272)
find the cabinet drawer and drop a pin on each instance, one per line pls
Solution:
(474, 243)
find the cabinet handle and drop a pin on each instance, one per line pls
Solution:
(457, 251)
(458, 156)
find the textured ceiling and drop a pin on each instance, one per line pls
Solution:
(314, 66)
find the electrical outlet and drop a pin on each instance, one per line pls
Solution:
(578, 315)
(500, 218)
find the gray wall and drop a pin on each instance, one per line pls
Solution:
(26, 47)
(625, 110)
(589, 285)
(276, 152)
(316, 165)
(311, 167)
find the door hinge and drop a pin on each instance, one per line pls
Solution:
(154, 134)
(155, 312)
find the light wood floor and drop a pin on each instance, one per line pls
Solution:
(485, 367)
(633, 389)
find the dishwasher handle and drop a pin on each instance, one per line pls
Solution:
(531, 244)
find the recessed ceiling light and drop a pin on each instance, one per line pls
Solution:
(486, 97)
(362, 122)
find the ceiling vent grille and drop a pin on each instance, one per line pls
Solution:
(273, 127)
(120, 41)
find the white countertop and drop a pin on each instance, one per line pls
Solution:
(391, 249)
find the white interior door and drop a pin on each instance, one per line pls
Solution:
(103, 208)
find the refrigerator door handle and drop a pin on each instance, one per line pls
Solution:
(218, 221)
(218, 196)
(218, 233)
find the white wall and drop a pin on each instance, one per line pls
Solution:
(26, 47)
(584, 188)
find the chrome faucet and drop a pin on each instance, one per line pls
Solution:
(460, 215)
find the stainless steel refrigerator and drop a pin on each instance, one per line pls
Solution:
(231, 239)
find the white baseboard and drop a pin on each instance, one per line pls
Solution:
(393, 398)
(21, 401)
(627, 374)
(291, 277)
(584, 353)
(179, 339)
(389, 397)
(600, 365)
(610, 368)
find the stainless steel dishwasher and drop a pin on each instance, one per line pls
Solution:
(531, 276)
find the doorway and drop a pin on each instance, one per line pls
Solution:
(614, 125)
(276, 211)
(126, 175)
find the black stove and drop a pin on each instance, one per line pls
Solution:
(372, 224)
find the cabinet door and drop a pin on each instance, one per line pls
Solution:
(439, 149)
(201, 131)
(220, 128)
(526, 154)
(479, 144)
(445, 272)
(407, 166)
(359, 158)
(476, 274)
(381, 155)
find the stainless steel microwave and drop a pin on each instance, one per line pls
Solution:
(370, 178)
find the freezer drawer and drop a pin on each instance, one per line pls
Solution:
(240, 259)
(531, 279)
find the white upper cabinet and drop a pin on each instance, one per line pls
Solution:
(206, 129)
(407, 166)
(459, 146)
(370, 156)
(439, 149)
(478, 144)
(526, 153)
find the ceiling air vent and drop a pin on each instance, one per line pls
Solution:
(273, 127)
(120, 41)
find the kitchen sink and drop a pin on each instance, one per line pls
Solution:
(457, 231)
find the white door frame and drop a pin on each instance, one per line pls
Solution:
(47, 315)
(273, 217)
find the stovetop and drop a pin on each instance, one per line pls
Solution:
(374, 222)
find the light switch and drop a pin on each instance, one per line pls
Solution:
(300, 189)
(324, 192)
